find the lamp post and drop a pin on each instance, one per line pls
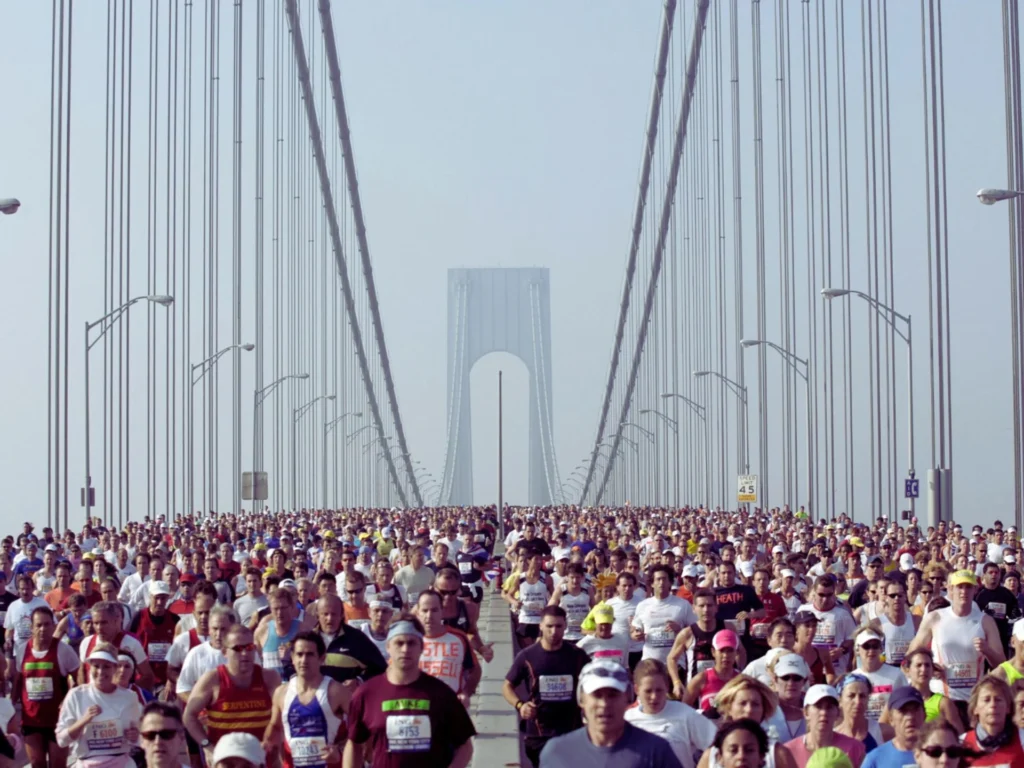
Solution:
(795, 362)
(257, 400)
(890, 316)
(298, 413)
(989, 196)
(105, 323)
(203, 367)
(741, 392)
(328, 427)
(701, 413)
(9, 205)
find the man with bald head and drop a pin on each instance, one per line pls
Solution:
(350, 653)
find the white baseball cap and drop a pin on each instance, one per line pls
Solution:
(690, 572)
(788, 573)
(604, 674)
(792, 664)
(867, 637)
(1018, 630)
(906, 561)
(244, 746)
(778, 549)
(817, 692)
(160, 588)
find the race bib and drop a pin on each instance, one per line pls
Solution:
(465, 568)
(962, 674)
(877, 700)
(825, 636)
(661, 638)
(997, 610)
(704, 664)
(271, 660)
(896, 650)
(760, 631)
(408, 733)
(555, 687)
(105, 736)
(531, 612)
(39, 688)
(736, 625)
(359, 623)
(158, 651)
(24, 629)
(307, 750)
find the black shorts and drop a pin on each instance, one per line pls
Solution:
(48, 733)
(528, 630)
(634, 659)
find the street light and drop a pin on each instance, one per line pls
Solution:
(805, 374)
(890, 315)
(989, 196)
(646, 432)
(9, 205)
(298, 413)
(741, 392)
(701, 412)
(257, 400)
(328, 427)
(204, 367)
(106, 323)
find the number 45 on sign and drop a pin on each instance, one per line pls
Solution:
(746, 490)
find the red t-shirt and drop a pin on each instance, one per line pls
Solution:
(408, 726)
(774, 607)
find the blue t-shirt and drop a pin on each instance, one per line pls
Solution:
(887, 756)
(28, 566)
(636, 749)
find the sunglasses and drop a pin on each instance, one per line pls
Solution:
(824, 595)
(165, 734)
(242, 648)
(873, 645)
(894, 595)
(447, 592)
(792, 679)
(955, 752)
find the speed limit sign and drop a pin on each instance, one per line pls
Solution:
(746, 490)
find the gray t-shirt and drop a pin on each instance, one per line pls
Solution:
(636, 749)
(247, 605)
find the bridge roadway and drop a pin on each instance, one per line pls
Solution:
(497, 744)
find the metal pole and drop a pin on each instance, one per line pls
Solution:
(257, 460)
(191, 447)
(810, 460)
(295, 465)
(501, 501)
(676, 484)
(88, 478)
(910, 405)
(323, 473)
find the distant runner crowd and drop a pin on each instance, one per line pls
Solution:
(642, 638)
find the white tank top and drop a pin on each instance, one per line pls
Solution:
(871, 610)
(897, 638)
(953, 645)
(308, 728)
(576, 609)
(532, 600)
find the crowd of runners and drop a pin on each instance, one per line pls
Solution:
(692, 638)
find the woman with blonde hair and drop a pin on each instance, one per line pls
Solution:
(992, 732)
(744, 698)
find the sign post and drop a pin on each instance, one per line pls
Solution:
(746, 490)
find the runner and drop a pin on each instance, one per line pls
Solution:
(550, 670)
(98, 718)
(604, 643)
(41, 671)
(624, 605)
(835, 625)
(574, 600)
(604, 691)
(154, 628)
(446, 651)
(962, 637)
(349, 654)
(691, 648)
(406, 718)
(659, 618)
(236, 696)
(106, 627)
(309, 711)
(274, 636)
(381, 614)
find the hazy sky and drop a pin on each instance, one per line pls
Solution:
(509, 134)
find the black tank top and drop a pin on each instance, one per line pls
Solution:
(460, 620)
(702, 650)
